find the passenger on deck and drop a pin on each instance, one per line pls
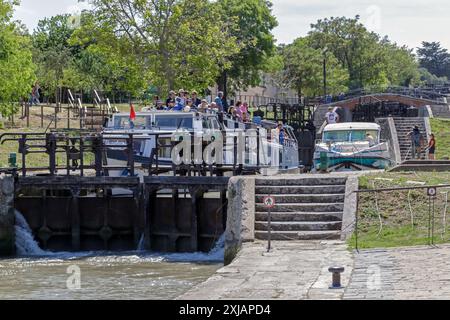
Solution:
(195, 100)
(219, 101)
(203, 107)
(370, 139)
(213, 107)
(178, 105)
(159, 105)
(170, 102)
(331, 116)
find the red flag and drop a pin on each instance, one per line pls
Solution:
(132, 113)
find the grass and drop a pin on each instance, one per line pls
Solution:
(35, 126)
(404, 215)
(441, 130)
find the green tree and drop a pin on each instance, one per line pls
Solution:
(401, 65)
(370, 60)
(251, 24)
(429, 78)
(16, 65)
(174, 43)
(303, 69)
(355, 48)
(52, 52)
(434, 58)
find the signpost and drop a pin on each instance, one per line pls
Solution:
(431, 192)
(269, 202)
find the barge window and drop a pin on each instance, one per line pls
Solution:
(174, 122)
(349, 135)
(123, 122)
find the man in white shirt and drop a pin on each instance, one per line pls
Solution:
(331, 117)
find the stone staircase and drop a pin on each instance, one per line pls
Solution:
(306, 209)
(403, 127)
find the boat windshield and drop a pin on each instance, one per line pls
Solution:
(174, 121)
(124, 122)
(351, 136)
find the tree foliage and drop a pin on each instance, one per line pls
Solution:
(303, 69)
(434, 58)
(16, 65)
(174, 43)
(369, 59)
(251, 24)
(52, 52)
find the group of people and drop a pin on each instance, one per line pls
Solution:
(190, 102)
(417, 143)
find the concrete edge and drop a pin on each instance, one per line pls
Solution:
(7, 217)
(395, 143)
(430, 111)
(241, 215)
(349, 216)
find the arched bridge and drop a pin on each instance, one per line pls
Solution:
(417, 102)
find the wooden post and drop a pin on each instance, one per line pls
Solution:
(7, 231)
(149, 198)
(56, 116)
(196, 195)
(75, 220)
(68, 116)
(224, 202)
(42, 116)
(51, 149)
(81, 156)
(27, 110)
(23, 143)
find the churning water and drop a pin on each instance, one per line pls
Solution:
(39, 274)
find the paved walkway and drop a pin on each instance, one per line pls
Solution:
(299, 270)
(292, 270)
(402, 273)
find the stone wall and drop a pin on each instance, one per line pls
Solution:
(7, 236)
(241, 215)
(389, 134)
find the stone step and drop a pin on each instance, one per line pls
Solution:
(295, 235)
(322, 189)
(302, 198)
(299, 216)
(301, 182)
(299, 226)
(302, 207)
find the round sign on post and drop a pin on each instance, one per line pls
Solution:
(269, 202)
(431, 192)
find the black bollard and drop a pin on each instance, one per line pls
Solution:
(336, 271)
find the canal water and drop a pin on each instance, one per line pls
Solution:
(37, 274)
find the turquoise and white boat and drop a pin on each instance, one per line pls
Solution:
(351, 146)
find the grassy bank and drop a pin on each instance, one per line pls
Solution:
(401, 218)
(441, 129)
(40, 121)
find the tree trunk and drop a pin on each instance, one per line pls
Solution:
(222, 83)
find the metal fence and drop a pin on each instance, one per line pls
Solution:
(402, 216)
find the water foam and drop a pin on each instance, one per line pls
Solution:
(26, 245)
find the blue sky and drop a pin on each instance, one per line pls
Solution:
(405, 21)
